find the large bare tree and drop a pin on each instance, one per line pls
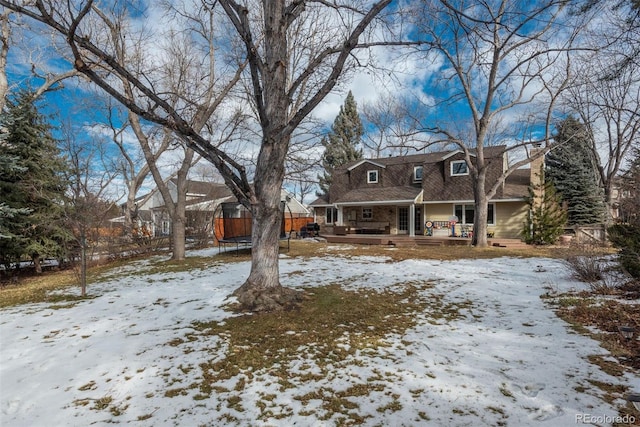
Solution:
(606, 93)
(504, 64)
(296, 52)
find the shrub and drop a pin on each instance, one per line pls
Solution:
(626, 237)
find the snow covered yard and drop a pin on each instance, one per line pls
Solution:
(135, 354)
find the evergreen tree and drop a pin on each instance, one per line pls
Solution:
(9, 170)
(341, 144)
(626, 235)
(32, 184)
(546, 219)
(572, 168)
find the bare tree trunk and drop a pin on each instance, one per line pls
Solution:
(481, 211)
(178, 212)
(5, 34)
(262, 290)
(83, 264)
(37, 263)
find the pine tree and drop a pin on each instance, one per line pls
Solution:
(546, 219)
(341, 144)
(572, 168)
(35, 194)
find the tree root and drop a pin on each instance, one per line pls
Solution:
(269, 299)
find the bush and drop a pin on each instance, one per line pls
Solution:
(626, 238)
(586, 268)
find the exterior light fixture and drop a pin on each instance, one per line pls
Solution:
(635, 399)
(627, 332)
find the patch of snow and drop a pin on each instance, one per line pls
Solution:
(506, 360)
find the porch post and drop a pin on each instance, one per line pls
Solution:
(340, 216)
(412, 220)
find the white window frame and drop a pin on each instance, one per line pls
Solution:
(457, 162)
(367, 213)
(166, 228)
(331, 215)
(463, 219)
(369, 174)
(415, 173)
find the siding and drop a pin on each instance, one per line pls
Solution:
(510, 218)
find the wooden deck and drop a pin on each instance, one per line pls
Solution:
(404, 240)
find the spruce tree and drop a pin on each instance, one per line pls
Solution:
(572, 168)
(341, 143)
(34, 195)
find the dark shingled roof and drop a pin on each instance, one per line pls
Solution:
(517, 184)
(385, 194)
(396, 183)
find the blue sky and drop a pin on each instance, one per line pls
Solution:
(418, 78)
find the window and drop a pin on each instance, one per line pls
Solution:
(372, 177)
(417, 173)
(165, 228)
(459, 167)
(466, 214)
(332, 215)
(367, 213)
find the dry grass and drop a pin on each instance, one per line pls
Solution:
(305, 248)
(39, 288)
(587, 312)
(35, 289)
(327, 330)
(606, 315)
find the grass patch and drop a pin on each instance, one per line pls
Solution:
(330, 326)
(39, 288)
(36, 288)
(300, 248)
(605, 315)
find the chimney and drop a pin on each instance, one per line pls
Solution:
(536, 174)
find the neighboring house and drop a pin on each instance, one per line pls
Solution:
(398, 195)
(234, 220)
(151, 217)
(203, 199)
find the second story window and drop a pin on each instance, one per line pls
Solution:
(459, 167)
(372, 177)
(417, 173)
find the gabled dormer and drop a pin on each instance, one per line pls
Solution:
(455, 165)
(366, 172)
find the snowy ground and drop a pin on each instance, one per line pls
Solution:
(508, 361)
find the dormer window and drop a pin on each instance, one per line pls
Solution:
(372, 177)
(417, 173)
(459, 167)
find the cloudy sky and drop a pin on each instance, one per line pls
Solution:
(423, 78)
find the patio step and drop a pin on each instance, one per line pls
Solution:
(415, 242)
(508, 243)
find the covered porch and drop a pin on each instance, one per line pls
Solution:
(393, 211)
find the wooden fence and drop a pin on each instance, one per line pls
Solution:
(590, 234)
(237, 227)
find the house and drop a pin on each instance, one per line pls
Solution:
(203, 199)
(151, 217)
(400, 195)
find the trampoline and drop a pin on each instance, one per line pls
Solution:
(233, 223)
